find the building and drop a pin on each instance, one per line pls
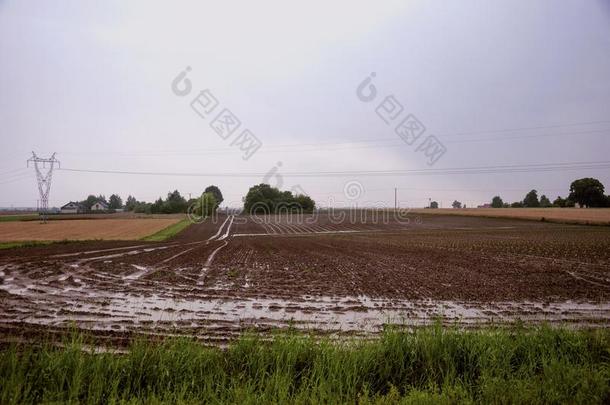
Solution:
(99, 206)
(71, 208)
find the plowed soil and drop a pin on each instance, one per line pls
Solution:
(353, 276)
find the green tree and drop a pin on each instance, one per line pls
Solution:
(115, 202)
(143, 208)
(157, 206)
(434, 204)
(559, 202)
(497, 202)
(456, 204)
(217, 193)
(174, 203)
(130, 204)
(89, 201)
(588, 192)
(305, 203)
(545, 202)
(264, 199)
(517, 204)
(206, 205)
(531, 199)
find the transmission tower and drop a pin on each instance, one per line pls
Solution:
(44, 174)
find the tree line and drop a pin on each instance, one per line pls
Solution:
(260, 199)
(173, 203)
(586, 192)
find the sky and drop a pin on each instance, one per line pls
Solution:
(496, 83)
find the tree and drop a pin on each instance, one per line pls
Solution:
(143, 208)
(559, 202)
(130, 204)
(157, 206)
(115, 202)
(217, 194)
(206, 205)
(545, 202)
(517, 204)
(531, 199)
(305, 202)
(89, 201)
(497, 202)
(456, 204)
(588, 192)
(264, 199)
(174, 203)
(434, 204)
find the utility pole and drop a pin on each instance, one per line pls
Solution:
(44, 180)
(395, 198)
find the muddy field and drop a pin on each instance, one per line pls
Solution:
(83, 229)
(349, 276)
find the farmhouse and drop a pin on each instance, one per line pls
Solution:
(71, 208)
(99, 206)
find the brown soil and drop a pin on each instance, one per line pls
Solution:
(233, 273)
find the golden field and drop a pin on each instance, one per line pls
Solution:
(83, 229)
(597, 216)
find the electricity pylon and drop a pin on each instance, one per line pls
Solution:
(44, 180)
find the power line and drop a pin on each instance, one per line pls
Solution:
(13, 171)
(527, 168)
(494, 131)
(17, 178)
(336, 146)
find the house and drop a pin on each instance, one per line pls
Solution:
(71, 208)
(99, 206)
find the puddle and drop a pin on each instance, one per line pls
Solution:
(142, 270)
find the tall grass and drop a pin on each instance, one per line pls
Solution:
(431, 365)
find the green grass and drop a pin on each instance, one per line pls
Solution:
(168, 232)
(32, 243)
(430, 366)
(11, 218)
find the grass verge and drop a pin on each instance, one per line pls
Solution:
(168, 232)
(431, 365)
(33, 243)
(11, 218)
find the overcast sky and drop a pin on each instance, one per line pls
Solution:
(92, 81)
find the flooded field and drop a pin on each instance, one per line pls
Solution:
(222, 277)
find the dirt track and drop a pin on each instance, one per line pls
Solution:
(217, 278)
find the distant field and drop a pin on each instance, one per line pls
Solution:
(598, 216)
(83, 229)
(62, 217)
